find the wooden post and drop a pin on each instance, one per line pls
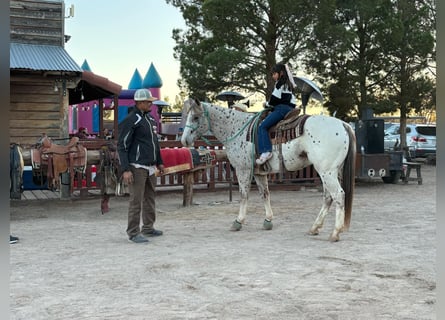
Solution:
(65, 186)
(116, 116)
(101, 119)
(188, 189)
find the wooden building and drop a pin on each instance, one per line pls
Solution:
(43, 76)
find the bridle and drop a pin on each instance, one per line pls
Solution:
(195, 127)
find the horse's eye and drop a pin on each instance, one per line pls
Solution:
(195, 118)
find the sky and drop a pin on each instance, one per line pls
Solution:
(117, 37)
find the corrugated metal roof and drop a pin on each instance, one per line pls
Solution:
(41, 57)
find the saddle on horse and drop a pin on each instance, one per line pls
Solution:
(58, 159)
(289, 128)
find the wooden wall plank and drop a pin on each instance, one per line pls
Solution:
(34, 115)
(33, 89)
(31, 106)
(37, 22)
(35, 99)
(27, 137)
(32, 123)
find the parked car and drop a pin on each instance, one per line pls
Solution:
(420, 138)
(388, 124)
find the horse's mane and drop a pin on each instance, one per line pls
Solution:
(227, 110)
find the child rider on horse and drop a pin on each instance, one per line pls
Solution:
(282, 101)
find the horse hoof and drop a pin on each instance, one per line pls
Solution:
(334, 238)
(313, 232)
(267, 224)
(236, 226)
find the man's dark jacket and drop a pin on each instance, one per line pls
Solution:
(137, 141)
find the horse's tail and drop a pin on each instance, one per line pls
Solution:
(348, 178)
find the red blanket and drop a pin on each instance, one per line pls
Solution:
(177, 157)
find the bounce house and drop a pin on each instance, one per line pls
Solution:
(86, 114)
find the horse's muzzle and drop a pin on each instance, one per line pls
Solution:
(186, 142)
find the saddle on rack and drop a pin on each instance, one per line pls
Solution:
(57, 159)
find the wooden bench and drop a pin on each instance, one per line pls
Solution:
(410, 166)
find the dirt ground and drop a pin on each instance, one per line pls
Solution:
(73, 263)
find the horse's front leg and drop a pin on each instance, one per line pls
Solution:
(263, 189)
(244, 180)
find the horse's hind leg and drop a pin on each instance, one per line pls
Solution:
(332, 193)
(318, 223)
(339, 198)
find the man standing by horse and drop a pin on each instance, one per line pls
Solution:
(140, 154)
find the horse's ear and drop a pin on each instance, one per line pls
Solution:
(191, 103)
(187, 106)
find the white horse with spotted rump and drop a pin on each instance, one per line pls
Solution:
(326, 143)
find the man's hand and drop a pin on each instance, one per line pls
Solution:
(127, 177)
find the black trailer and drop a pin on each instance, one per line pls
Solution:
(372, 160)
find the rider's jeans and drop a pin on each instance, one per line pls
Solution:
(279, 112)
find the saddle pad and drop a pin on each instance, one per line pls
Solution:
(288, 129)
(183, 159)
(173, 157)
(203, 157)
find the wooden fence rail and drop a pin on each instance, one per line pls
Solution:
(221, 176)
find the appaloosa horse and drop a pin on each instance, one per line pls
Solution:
(325, 142)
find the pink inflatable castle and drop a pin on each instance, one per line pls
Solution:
(86, 114)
